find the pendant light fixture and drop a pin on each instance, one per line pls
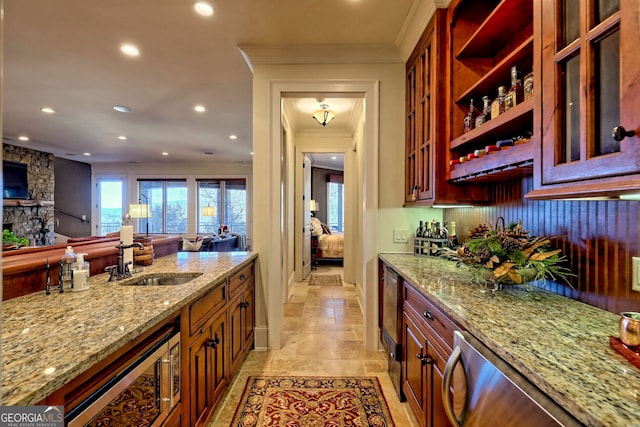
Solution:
(324, 115)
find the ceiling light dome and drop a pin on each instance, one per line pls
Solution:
(324, 115)
(203, 8)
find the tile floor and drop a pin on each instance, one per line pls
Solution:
(322, 335)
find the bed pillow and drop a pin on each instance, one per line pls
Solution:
(316, 227)
(325, 229)
(188, 246)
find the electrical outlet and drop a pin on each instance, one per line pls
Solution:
(400, 235)
(635, 267)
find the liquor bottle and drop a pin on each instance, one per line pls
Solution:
(497, 106)
(528, 86)
(515, 95)
(486, 111)
(470, 118)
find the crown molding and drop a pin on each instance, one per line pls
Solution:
(417, 19)
(320, 54)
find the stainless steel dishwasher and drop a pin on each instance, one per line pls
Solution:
(489, 392)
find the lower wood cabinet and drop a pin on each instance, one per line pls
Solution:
(241, 325)
(207, 361)
(426, 334)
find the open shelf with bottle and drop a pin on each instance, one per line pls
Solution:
(492, 45)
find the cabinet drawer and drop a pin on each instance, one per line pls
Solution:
(200, 310)
(240, 278)
(432, 316)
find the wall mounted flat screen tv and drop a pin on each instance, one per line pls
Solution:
(14, 178)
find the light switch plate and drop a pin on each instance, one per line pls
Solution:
(400, 235)
(635, 267)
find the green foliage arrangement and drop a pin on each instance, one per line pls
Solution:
(510, 256)
(8, 238)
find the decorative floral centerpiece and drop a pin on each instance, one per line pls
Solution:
(509, 256)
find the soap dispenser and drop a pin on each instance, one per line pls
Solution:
(66, 262)
(81, 273)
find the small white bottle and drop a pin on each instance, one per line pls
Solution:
(66, 262)
(81, 273)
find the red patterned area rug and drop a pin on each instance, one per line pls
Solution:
(312, 402)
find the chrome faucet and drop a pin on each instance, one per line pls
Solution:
(121, 270)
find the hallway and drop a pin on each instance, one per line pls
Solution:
(322, 325)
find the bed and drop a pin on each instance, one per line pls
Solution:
(330, 243)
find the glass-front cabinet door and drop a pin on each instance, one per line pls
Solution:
(590, 95)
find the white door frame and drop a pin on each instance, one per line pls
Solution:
(367, 276)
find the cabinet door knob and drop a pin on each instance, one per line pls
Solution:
(619, 133)
(244, 304)
(243, 277)
(427, 314)
(214, 342)
(424, 360)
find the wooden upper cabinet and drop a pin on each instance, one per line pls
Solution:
(591, 85)
(427, 157)
(487, 39)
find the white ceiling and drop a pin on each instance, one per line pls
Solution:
(65, 54)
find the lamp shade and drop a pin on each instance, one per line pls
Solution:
(313, 206)
(139, 210)
(324, 115)
(209, 211)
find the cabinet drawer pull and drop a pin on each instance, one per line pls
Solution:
(424, 360)
(243, 277)
(428, 315)
(243, 304)
(201, 331)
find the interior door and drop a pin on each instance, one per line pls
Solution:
(306, 233)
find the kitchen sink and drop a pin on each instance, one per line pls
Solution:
(162, 279)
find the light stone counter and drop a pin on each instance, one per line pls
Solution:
(559, 344)
(49, 340)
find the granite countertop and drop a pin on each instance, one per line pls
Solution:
(49, 340)
(559, 344)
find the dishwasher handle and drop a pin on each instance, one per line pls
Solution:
(455, 357)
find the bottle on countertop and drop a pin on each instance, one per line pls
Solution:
(81, 273)
(515, 95)
(65, 275)
(497, 106)
(470, 118)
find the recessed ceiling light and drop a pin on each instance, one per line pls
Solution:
(200, 108)
(233, 136)
(129, 49)
(87, 154)
(164, 153)
(47, 110)
(251, 153)
(203, 8)
(23, 138)
(122, 109)
(333, 157)
(122, 137)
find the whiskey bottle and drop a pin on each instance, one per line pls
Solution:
(497, 106)
(528, 86)
(470, 118)
(486, 111)
(515, 95)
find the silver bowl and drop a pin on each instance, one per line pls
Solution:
(630, 328)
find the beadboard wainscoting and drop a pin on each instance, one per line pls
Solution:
(598, 237)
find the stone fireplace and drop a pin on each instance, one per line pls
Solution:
(33, 218)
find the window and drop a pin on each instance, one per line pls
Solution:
(168, 205)
(110, 192)
(229, 200)
(335, 202)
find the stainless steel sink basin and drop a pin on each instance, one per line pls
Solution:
(162, 279)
